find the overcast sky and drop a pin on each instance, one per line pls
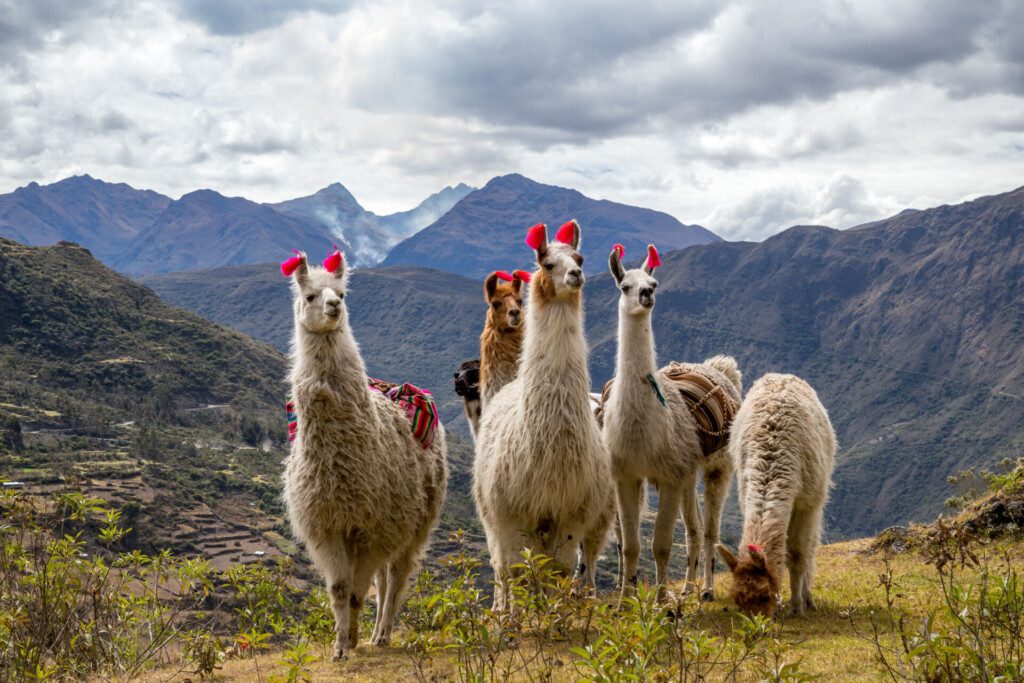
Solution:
(746, 117)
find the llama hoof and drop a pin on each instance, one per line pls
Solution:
(707, 596)
(795, 611)
(339, 655)
(811, 606)
(380, 641)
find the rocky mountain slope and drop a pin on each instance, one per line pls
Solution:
(103, 217)
(485, 230)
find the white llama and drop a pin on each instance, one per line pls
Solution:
(362, 494)
(653, 433)
(541, 476)
(784, 449)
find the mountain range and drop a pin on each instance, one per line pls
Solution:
(144, 232)
(911, 329)
(485, 230)
(458, 229)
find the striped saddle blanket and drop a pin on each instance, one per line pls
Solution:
(712, 407)
(418, 404)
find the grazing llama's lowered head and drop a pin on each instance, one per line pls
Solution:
(560, 276)
(637, 285)
(754, 588)
(319, 292)
(503, 293)
(467, 380)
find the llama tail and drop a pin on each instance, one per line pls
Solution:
(728, 367)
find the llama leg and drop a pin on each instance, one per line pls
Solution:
(664, 527)
(618, 552)
(593, 543)
(811, 538)
(382, 591)
(362, 575)
(331, 557)
(716, 490)
(399, 571)
(693, 523)
(797, 542)
(629, 492)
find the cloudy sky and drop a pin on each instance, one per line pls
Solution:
(746, 117)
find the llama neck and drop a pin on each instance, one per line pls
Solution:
(553, 367)
(331, 360)
(499, 359)
(635, 360)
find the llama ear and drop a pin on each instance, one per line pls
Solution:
(518, 278)
(537, 239)
(756, 555)
(335, 262)
(296, 267)
(569, 234)
(730, 560)
(615, 264)
(490, 286)
(653, 259)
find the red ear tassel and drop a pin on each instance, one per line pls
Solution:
(755, 548)
(621, 249)
(502, 275)
(653, 260)
(289, 266)
(522, 275)
(333, 262)
(567, 232)
(535, 236)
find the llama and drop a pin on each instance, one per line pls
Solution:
(654, 432)
(541, 477)
(500, 343)
(784, 450)
(467, 387)
(361, 492)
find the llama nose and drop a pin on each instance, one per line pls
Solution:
(514, 314)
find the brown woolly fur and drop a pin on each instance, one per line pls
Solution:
(784, 448)
(541, 478)
(502, 338)
(361, 493)
(660, 443)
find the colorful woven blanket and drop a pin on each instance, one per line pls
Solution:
(418, 404)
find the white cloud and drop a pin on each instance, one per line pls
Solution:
(790, 111)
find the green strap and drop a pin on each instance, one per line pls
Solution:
(657, 390)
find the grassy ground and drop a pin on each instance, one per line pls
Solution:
(833, 642)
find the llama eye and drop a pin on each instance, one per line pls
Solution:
(310, 297)
(549, 266)
(625, 289)
(579, 259)
(654, 285)
(495, 305)
(341, 295)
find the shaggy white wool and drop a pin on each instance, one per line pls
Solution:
(784, 448)
(361, 493)
(660, 443)
(541, 475)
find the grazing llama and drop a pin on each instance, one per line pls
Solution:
(784, 450)
(362, 493)
(654, 432)
(541, 478)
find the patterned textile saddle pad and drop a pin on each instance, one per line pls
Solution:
(713, 409)
(418, 404)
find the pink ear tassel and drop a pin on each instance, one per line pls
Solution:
(567, 232)
(502, 275)
(755, 548)
(289, 266)
(333, 262)
(621, 249)
(522, 275)
(535, 236)
(653, 260)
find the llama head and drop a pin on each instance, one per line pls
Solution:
(503, 293)
(318, 291)
(636, 286)
(560, 275)
(755, 588)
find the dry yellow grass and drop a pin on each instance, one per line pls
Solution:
(831, 641)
